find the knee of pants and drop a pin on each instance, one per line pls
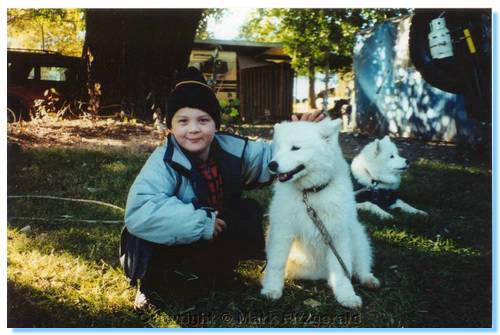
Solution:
(242, 211)
(135, 254)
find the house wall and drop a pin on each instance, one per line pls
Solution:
(226, 83)
(266, 93)
(265, 89)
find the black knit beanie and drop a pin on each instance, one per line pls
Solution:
(191, 90)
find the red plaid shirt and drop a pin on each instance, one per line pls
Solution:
(210, 173)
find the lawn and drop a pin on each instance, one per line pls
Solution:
(435, 271)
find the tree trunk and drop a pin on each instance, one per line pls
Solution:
(312, 92)
(136, 53)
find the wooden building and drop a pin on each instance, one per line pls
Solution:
(258, 74)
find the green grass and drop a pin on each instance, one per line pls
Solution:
(435, 271)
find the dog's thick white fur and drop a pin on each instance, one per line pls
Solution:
(295, 248)
(380, 161)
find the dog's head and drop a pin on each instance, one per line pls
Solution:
(386, 155)
(379, 160)
(303, 151)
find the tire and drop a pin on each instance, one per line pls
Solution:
(441, 73)
(16, 110)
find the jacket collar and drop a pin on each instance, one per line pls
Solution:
(175, 156)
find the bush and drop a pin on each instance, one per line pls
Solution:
(230, 111)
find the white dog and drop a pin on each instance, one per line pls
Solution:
(378, 168)
(307, 158)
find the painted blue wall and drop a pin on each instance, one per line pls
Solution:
(392, 97)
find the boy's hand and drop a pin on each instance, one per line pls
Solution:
(219, 226)
(315, 116)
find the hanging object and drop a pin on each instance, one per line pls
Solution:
(439, 39)
(470, 42)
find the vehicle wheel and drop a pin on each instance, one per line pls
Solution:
(16, 110)
(442, 74)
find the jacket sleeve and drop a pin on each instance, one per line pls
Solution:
(155, 214)
(256, 157)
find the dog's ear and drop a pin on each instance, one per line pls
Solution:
(329, 128)
(386, 138)
(275, 128)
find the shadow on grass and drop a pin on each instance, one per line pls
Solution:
(76, 173)
(31, 308)
(236, 302)
(420, 288)
(449, 286)
(432, 289)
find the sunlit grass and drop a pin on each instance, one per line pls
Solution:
(59, 279)
(422, 244)
(68, 290)
(438, 165)
(117, 167)
(435, 271)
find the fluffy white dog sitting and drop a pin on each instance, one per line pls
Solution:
(378, 168)
(308, 159)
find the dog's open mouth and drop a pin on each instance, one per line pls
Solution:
(282, 177)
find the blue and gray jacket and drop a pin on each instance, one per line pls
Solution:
(165, 202)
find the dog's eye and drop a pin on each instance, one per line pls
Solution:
(392, 156)
(295, 148)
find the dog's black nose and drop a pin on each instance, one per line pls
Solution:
(273, 166)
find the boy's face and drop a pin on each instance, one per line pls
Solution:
(194, 130)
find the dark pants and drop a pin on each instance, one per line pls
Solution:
(242, 239)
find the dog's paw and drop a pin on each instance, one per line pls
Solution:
(420, 212)
(352, 301)
(271, 293)
(371, 282)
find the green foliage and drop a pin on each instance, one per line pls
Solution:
(54, 29)
(311, 36)
(230, 106)
(263, 25)
(229, 110)
(215, 13)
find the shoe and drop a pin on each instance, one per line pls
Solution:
(142, 299)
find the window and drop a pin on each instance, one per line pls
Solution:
(53, 73)
(31, 75)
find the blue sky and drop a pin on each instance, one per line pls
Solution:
(230, 25)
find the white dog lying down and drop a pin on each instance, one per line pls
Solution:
(378, 168)
(307, 158)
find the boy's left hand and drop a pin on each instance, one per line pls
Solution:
(315, 116)
(219, 225)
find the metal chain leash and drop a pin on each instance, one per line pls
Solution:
(324, 233)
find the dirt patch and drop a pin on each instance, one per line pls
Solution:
(412, 149)
(105, 134)
(99, 134)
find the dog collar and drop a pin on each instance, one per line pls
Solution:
(374, 182)
(316, 189)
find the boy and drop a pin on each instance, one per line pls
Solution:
(185, 205)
